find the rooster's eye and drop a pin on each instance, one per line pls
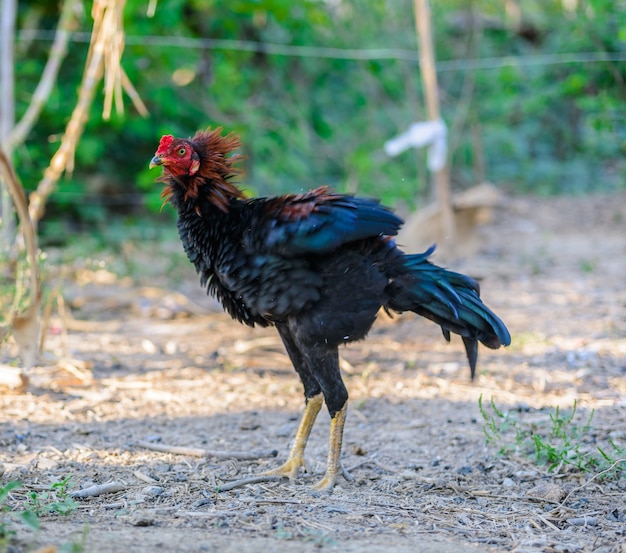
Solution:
(181, 151)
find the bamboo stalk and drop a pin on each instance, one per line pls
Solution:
(26, 324)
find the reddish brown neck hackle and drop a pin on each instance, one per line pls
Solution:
(217, 167)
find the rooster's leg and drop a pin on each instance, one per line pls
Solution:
(333, 464)
(295, 460)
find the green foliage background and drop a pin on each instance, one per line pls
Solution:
(529, 125)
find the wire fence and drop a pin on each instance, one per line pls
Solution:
(121, 199)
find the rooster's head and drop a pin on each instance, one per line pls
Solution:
(202, 162)
(177, 156)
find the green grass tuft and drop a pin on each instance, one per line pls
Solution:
(556, 443)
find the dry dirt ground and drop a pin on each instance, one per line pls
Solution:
(129, 366)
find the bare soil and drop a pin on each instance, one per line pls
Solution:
(149, 359)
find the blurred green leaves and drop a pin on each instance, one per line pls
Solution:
(544, 127)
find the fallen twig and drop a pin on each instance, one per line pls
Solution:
(145, 478)
(617, 462)
(252, 480)
(584, 520)
(116, 505)
(203, 514)
(99, 489)
(346, 473)
(197, 452)
(548, 523)
(268, 501)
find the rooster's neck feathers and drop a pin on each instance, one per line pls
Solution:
(217, 167)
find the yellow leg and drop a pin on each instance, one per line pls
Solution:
(333, 464)
(296, 455)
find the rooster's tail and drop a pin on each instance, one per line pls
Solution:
(451, 300)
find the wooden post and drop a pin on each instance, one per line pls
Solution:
(8, 14)
(429, 78)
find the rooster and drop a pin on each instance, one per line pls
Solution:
(317, 266)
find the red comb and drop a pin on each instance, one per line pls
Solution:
(166, 141)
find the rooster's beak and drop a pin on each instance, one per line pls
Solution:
(156, 161)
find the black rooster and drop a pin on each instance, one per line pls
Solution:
(318, 266)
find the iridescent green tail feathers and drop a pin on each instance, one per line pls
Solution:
(451, 300)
